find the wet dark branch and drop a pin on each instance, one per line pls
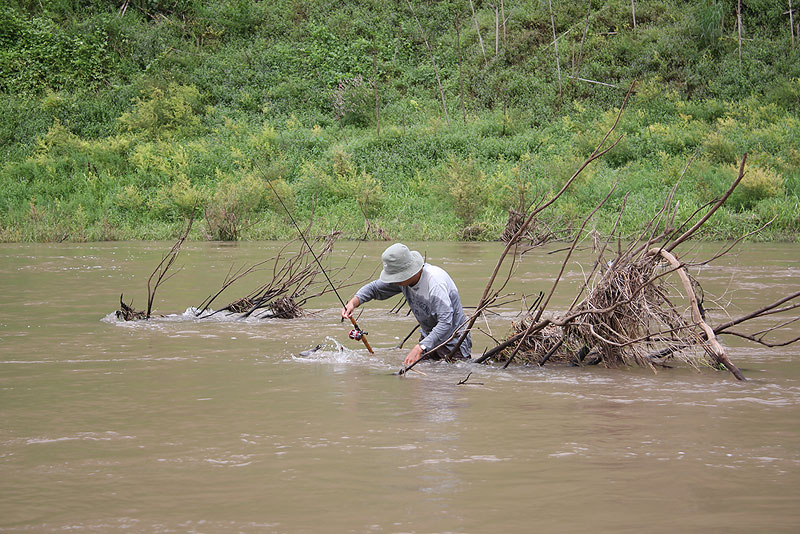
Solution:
(550, 352)
(759, 339)
(160, 272)
(770, 309)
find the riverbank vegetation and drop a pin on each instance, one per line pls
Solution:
(402, 119)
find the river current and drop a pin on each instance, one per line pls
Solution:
(180, 424)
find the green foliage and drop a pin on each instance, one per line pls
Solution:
(176, 200)
(36, 54)
(464, 185)
(174, 111)
(117, 125)
(352, 103)
(758, 183)
(709, 19)
(233, 205)
(340, 181)
(784, 93)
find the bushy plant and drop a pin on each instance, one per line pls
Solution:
(510, 186)
(233, 205)
(351, 102)
(173, 111)
(719, 148)
(463, 184)
(38, 54)
(130, 199)
(758, 183)
(344, 181)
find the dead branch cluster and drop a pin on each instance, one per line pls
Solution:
(157, 277)
(288, 281)
(291, 282)
(639, 305)
(534, 235)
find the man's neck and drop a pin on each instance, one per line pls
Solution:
(415, 279)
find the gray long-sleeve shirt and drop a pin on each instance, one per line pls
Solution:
(435, 303)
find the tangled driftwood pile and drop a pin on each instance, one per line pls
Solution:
(157, 277)
(292, 280)
(639, 304)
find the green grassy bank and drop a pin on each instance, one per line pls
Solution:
(117, 120)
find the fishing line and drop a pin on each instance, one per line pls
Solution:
(356, 333)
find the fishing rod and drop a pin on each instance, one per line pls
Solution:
(356, 333)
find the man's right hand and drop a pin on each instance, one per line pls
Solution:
(352, 304)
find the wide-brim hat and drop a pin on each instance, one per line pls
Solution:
(400, 264)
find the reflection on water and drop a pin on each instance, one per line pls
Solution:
(217, 424)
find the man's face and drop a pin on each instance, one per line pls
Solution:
(411, 281)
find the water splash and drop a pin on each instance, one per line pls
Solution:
(331, 351)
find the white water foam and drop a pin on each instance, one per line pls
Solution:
(331, 351)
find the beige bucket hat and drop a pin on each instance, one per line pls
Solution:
(400, 264)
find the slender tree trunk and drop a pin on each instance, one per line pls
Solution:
(433, 61)
(460, 73)
(633, 10)
(480, 39)
(375, 86)
(739, 26)
(397, 44)
(496, 30)
(503, 16)
(791, 21)
(583, 38)
(505, 115)
(555, 44)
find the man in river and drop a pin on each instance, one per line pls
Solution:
(432, 296)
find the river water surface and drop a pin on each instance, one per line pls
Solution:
(186, 425)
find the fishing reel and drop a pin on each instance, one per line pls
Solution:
(356, 334)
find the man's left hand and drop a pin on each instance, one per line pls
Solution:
(413, 355)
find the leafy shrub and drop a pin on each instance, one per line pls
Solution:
(351, 102)
(367, 191)
(677, 137)
(316, 186)
(171, 112)
(232, 207)
(720, 149)
(59, 141)
(129, 198)
(185, 197)
(758, 183)
(35, 54)
(510, 187)
(344, 181)
(785, 93)
(464, 185)
(708, 110)
(159, 162)
(283, 190)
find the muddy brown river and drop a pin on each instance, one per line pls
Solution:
(181, 424)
